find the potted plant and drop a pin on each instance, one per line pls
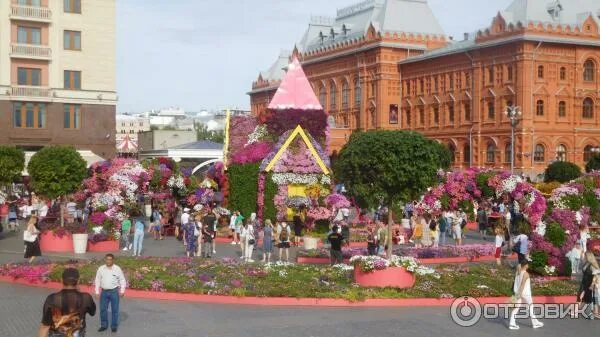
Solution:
(80, 239)
(377, 272)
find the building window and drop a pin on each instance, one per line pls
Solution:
(421, 86)
(29, 76)
(491, 111)
(141, 124)
(507, 153)
(539, 155)
(332, 95)
(72, 6)
(323, 97)
(72, 116)
(491, 75)
(29, 115)
(589, 68)
(451, 84)
(123, 124)
(408, 117)
(452, 150)
(29, 35)
(421, 116)
(539, 108)
(373, 88)
(509, 73)
(563, 73)
(357, 94)
(436, 115)
(451, 113)
(467, 80)
(72, 40)
(407, 88)
(30, 3)
(561, 153)
(562, 109)
(540, 71)
(491, 153)
(467, 112)
(466, 154)
(435, 84)
(588, 152)
(588, 108)
(72, 79)
(345, 94)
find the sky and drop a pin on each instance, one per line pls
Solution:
(205, 54)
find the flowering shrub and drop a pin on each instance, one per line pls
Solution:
(252, 153)
(319, 213)
(337, 200)
(368, 264)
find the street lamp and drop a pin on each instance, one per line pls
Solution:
(513, 113)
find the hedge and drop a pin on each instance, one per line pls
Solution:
(270, 211)
(243, 188)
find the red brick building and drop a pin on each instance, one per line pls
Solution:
(386, 64)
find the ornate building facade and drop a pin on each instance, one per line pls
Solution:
(541, 56)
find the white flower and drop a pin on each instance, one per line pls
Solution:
(549, 269)
(295, 178)
(540, 228)
(259, 132)
(578, 217)
(97, 229)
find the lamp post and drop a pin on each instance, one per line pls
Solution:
(513, 113)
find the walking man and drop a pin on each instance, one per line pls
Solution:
(336, 239)
(64, 312)
(110, 283)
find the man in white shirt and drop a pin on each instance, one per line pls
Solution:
(110, 282)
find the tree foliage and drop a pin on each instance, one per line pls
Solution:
(12, 162)
(593, 163)
(203, 133)
(389, 166)
(562, 171)
(56, 171)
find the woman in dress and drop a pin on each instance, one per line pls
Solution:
(590, 265)
(522, 296)
(190, 239)
(31, 238)
(248, 241)
(267, 241)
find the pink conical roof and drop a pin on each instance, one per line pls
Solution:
(295, 92)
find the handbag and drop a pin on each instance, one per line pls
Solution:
(516, 247)
(28, 237)
(196, 231)
(251, 241)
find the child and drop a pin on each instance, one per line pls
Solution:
(574, 255)
(433, 233)
(417, 233)
(499, 242)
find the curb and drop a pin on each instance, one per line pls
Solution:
(294, 302)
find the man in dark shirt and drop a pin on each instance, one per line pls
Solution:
(336, 239)
(64, 312)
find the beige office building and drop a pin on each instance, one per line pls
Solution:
(57, 74)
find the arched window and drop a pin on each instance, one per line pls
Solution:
(436, 115)
(323, 96)
(357, 93)
(491, 153)
(467, 154)
(539, 154)
(539, 108)
(509, 73)
(589, 68)
(491, 74)
(421, 116)
(332, 95)
(507, 153)
(451, 113)
(467, 107)
(561, 153)
(588, 108)
(588, 152)
(452, 153)
(408, 112)
(345, 94)
(540, 71)
(562, 109)
(563, 73)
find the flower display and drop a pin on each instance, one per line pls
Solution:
(260, 131)
(298, 202)
(319, 213)
(337, 201)
(371, 263)
(301, 179)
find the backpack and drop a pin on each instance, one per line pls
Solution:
(517, 246)
(285, 235)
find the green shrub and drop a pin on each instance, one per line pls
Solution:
(482, 184)
(555, 234)
(593, 163)
(539, 260)
(243, 190)
(562, 171)
(567, 267)
(270, 211)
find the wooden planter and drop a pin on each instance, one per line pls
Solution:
(54, 244)
(395, 277)
(103, 246)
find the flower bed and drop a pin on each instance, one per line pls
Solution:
(468, 251)
(227, 277)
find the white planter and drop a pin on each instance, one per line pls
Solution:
(406, 223)
(148, 210)
(80, 243)
(310, 243)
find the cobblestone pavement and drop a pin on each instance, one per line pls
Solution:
(20, 314)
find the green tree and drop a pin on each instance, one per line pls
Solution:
(202, 133)
(389, 167)
(12, 162)
(593, 163)
(56, 171)
(562, 171)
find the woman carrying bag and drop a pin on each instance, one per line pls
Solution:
(31, 238)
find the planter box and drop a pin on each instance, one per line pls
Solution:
(396, 277)
(437, 260)
(103, 246)
(316, 260)
(352, 244)
(54, 244)
(472, 226)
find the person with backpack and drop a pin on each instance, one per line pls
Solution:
(283, 236)
(64, 311)
(521, 246)
(482, 221)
